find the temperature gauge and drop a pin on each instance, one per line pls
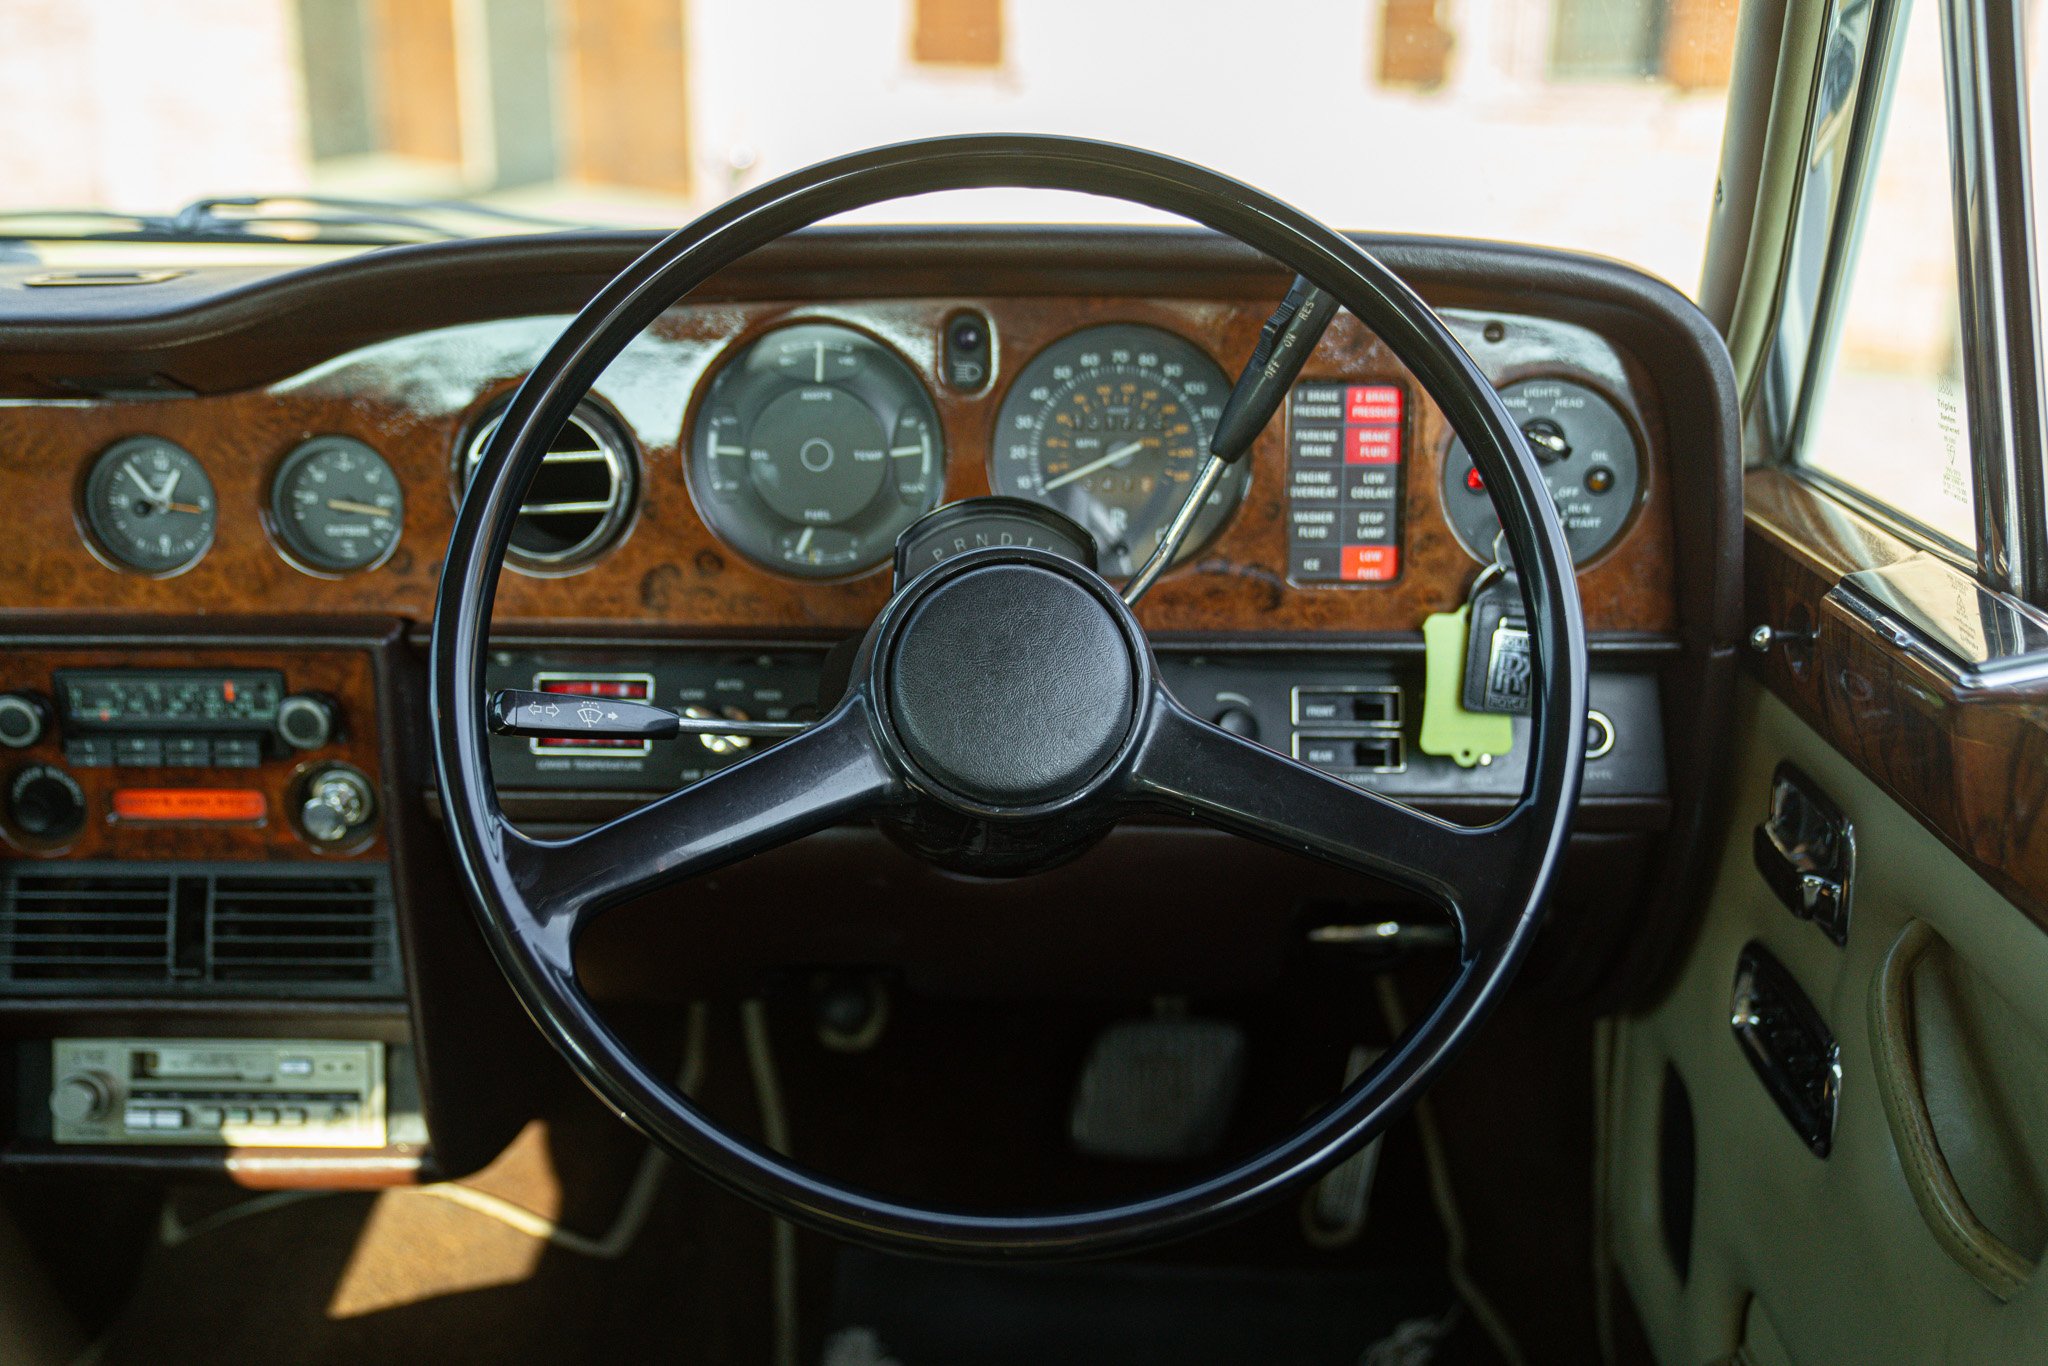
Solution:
(336, 505)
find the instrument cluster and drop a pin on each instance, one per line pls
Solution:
(811, 447)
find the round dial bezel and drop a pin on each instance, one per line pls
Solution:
(1634, 493)
(750, 527)
(282, 529)
(103, 468)
(1023, 399)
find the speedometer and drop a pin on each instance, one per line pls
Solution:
(1110, 426)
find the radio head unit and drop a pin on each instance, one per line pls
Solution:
(208, 701)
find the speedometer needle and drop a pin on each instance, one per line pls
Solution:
(360, 509)
(1093, 465)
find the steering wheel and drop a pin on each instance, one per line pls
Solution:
(1005, 699)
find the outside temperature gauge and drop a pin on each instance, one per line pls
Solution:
(336, 505)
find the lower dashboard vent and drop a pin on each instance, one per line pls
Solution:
(200, 929)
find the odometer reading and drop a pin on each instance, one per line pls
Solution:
(1110, 426)
(336, 505)
(150, 505)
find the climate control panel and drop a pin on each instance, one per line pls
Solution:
(740, 685)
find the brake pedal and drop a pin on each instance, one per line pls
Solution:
(1157, 1090)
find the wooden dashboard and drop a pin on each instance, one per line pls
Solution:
(406, 349)
(417, 397)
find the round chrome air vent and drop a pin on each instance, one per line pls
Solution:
(581, 497)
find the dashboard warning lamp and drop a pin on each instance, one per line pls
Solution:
(211, 805)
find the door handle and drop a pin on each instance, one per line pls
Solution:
(1806, 851)
(1995, 1264)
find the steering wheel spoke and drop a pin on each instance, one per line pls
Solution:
(829, 773)
(1193, 768)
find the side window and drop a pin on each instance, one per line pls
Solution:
(1888, 417)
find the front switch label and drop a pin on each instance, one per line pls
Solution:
(1344, 457)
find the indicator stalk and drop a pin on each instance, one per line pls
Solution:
(565, 716)
(1284, 346)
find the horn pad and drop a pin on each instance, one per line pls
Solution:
(1012, 684)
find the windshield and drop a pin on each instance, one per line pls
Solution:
(1591, 124)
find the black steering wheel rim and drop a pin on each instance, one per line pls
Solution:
(529, 918)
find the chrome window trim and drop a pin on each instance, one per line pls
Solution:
(1857, 36)
(1984, 79)
(1985, 50)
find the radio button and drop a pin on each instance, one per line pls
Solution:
(93, 751)
(209, 1116)
(291, 1114)
(238, 1114)
(237, 753)
(139, 751)
(187, 751)
(264, 1115)
(23, 718)
(82, 1097)
(305, 721)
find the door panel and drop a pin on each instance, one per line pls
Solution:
(1832, 1259)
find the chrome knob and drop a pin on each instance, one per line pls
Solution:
(23, 719)
(82, 1097)
(720, 744)
(338, 805)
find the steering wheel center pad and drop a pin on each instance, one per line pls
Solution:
(1011, 684)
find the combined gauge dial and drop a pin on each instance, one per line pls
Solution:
(150, 506)
(1589, 458)
(1109, 426)
(815, 446)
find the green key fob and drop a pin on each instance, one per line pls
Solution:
(1468, 737)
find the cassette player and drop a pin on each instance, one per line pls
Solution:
(218, 1092)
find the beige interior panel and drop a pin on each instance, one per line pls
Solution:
(1835, 1251)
